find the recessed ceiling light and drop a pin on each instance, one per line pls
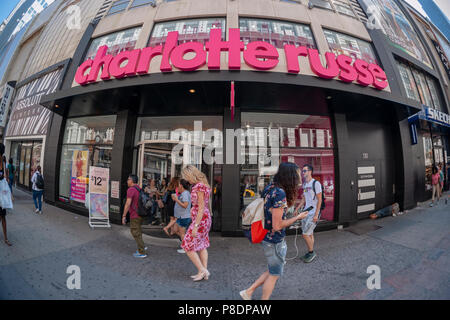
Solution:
(192, 91)
(329, 97)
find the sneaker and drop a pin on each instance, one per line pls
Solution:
(36, 211)
(145, 248)
(431, 204)
(181, 251)
(310, 257)
(305, 256)
(138, 255)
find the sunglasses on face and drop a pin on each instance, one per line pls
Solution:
(304, 171)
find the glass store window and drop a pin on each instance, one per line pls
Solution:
(117, 42)
(26, 157)
(277, 33)
(188, 30)
(87, 142)
(159, 156)
(269, 139)
(428, 153)
(353, 47)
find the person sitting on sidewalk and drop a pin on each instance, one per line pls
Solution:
(131, 206)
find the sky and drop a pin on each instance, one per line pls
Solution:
(6, 6)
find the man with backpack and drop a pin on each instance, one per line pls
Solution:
(38, 189)
(132, 206)
(312, 197)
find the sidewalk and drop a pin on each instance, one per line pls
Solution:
(412, 250)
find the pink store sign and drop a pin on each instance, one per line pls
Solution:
(258, 55)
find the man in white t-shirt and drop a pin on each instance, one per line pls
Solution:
(310, 198)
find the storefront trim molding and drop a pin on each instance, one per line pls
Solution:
(63, 96)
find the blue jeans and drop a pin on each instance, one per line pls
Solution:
(10, 183)
(37, 198)
(276, 256)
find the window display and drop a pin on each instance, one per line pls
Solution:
(428, 153)
(277, 33)
(301, 139)
(87, 142)
(188, 30)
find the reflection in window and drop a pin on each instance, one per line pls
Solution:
(428, 153)
(138, 3)
(434, 93)
(117, 42)
(87, 142)
(342, 6)
(269, 139)
(188, 30)
(353, 47)
(118, 6)
(408, 81)
(277, 33)
(422, 87)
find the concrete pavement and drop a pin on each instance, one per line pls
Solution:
(412, 251)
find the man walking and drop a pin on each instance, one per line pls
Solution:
(131, 206)
(312, 197)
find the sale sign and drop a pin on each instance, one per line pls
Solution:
(98, 193)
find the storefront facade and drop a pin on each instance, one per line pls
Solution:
(251, 84)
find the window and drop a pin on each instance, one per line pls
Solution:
(356, 48)
(422, 87)
(188, 30)
(138, 3)
(324, 4)
(117, 42)
(419, 86)
(428, 153)
(87, 142)
(434, 93)
(342, 6)
(278, 33)
(269, 139)
(408, 81)
(118, 6)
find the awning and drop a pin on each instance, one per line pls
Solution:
(431, 115)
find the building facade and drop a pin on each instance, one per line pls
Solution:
(251, 83)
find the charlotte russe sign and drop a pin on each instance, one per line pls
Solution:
(258, 55)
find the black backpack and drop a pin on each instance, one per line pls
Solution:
(322, 206)
(39, 181)
(145, 203)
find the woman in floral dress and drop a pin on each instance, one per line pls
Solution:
(196, 240)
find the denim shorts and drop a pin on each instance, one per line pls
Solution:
(184, 223)
(276, 256)
(308, 224)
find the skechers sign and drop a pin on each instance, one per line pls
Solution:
(258, 55)
(437, 116)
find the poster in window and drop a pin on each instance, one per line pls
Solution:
(397, 28)
(79, 175)
(98, 193)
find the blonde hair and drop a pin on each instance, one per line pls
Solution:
(193, 175)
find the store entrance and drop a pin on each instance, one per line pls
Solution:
(160, 160)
